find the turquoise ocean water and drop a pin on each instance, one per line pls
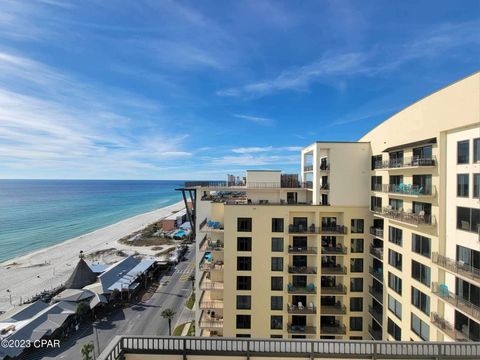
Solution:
(38, 213)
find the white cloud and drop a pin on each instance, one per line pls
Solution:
(255, 119)
(261, 149)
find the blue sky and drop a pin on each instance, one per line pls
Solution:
(195, 90)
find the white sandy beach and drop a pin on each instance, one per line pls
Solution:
(47, 268)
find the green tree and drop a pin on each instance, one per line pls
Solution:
(82, 309)
(168, 314)
(87, 351)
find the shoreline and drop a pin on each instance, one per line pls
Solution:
(49, 267)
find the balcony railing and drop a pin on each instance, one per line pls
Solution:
(377, 315)
(301, 329)
(306, 250)
(334, 270)
(404, 189)
(334, 250)
(333, 329)
(337, 309)
(312, 229)
(378, 232)
(212, 265)
(334, 290)
(308, 168)
(211, 304)
(208, 322)
(303, 310)
(457, 267)
(377, 273)
(191, 347)
(376, 293)
(287, 184)
(448, 328)
(413, 161)
(377, 252)
(466, 306)
(302, 269)
(376, 334)
(309, 289)
(209, 245)
(207, 284)
(406, 216)
(211, 226)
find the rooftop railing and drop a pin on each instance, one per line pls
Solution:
(459, 302)
(458, 267)
(448, 328)
(249, 185)
(408, 217)
(412, 161)
(122, 346)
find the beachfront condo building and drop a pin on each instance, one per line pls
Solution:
(375, 239)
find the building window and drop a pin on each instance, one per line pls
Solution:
(468, 326)
(356, 304)
(244, 263)
(357, 226)
(243, 322)
(462, 185)
(243, 335)
(276, 303)
(276, 322)
(395, 235)
(395, 204)
(276, 336)
(244, 283)
(376, 204)
(395, 307)
(356, 323)
(395, 283)
(424, 152)
(420, 328)
(394, 330)
(422, 184)
(277, 244)
(421, 301)
(469, 257)
(244, 302)
(277, 264)
(356, 265)
(467, 292)
(421, 245)
(376, 162)
(476, 186)
(476, 150)
(395, 259)
(357, 246)
(421, 273)
(468, 219)
(244, 244)
(376, 183)
(356, 285)
(277, 283)
(277, 225)
(463, 150)
(244, 224)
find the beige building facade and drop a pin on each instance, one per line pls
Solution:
(375, 239)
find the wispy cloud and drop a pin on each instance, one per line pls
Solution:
(255, 119)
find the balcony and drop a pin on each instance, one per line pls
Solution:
(408, 217)
(308, 168)
(324, 166)
(334, 290)
(336, 309)
(376, 273)
(325, 187)
(448, 328)
(302, 250)
(334, 270)
(377, 252)
(376, 314)
(467, 307)
(457, 267)
(210, 304)
(339, 249)
(310, 270)
(294, 289)
(312, 229)
(206, 265)
(210, 322)
(303, 310)
(377, 232)
(405, 190)
(207, 284)
(376, 334)
(211, 226)
(376, 293)
(301, 329)
(406, 162)
(209, 245)
(337, 329)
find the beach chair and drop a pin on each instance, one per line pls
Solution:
(210, 223)
(443, 290)
(300, 306)
(311, 306)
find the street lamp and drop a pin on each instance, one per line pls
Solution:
(10, 293)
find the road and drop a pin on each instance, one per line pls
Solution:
(143, 318)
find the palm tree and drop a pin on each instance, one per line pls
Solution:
(168, 314)
(87, 350)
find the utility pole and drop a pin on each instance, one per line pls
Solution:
(97, 342)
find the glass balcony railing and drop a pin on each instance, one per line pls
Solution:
(376, 293)
(377, 273)
(377, 314)
(457, 267)
(441, 290)
(376, 334)
(412, 161)
(448, 328)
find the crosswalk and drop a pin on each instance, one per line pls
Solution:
(186, 272)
